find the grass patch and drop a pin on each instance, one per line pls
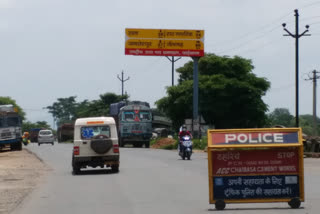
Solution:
(170, 147)
(196, 143)
(200, 143)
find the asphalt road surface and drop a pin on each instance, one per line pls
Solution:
(149, 182)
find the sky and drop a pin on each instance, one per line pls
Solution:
(51, 49)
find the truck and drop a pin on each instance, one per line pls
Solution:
(65, 132)
(133, 121)
(34, 133)
(10, 128)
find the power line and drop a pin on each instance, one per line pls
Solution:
(261, 29)
(310, 4)
(250, 41)
(259, 47)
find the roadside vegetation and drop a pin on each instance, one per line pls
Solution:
(230, 96)
(172, 143)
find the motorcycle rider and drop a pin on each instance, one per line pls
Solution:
(182, 133)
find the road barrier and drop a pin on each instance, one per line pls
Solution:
(255, 166)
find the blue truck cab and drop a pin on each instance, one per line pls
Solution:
(10, 128)
(134, 122)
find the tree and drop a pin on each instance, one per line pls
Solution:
(9, 100)
(26, 126)
(64, 110)
(98, 107)
(230, 94)
(67, 110)
(306, 122)
(281, 116)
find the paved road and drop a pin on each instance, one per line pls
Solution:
(149, 181)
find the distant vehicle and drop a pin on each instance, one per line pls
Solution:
(26, 138)
(33, 134)
(10, 128)
(45, 136)
(134, 122)
(95, 144)
(65, 132)
(185, 149)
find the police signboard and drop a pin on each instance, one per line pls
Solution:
(255, 165)
(164, 42)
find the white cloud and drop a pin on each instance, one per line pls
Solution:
(7, 3)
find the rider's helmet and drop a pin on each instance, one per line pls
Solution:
(184, 128)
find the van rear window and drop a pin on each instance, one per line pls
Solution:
(45, 132)
(88, 132)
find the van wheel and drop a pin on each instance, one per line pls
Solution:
(76, 170)
(121, 143)
(115, 168)
(19, 146)
(147, 144)
(75, 167)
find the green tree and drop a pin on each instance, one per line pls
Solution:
(26, 126)
(306, 123)
(230, 94)
(281, 116)
(98, 107)
(66, 110)
(9, 100)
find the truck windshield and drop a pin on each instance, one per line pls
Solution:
(145, 116)
(13, 121)
(1, 122)
(128, 116)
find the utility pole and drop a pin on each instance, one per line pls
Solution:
(172, 60)
(297, 36)
(314, 80)
(122, 82)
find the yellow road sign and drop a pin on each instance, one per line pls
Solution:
(164, 44)
(164, 34)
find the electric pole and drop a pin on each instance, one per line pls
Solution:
(122, 82)
(314, 80)
(297, 36)
(172, 60)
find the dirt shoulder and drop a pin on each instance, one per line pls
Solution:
(20, 172)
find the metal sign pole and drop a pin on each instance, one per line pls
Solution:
(195, 89)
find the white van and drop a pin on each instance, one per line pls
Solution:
(95, 144)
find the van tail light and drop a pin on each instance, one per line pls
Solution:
(115, 148)
(76, 150)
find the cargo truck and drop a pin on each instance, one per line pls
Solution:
(134, 122)
(10, 128)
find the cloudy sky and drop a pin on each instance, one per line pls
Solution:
(60, 48)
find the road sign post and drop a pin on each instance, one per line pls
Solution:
(255, 166)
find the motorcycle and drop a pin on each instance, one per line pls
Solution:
(185, 149)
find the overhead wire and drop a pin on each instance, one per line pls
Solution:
(264, 32)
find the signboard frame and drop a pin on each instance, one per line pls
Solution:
(220, 204)
(164, 42)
